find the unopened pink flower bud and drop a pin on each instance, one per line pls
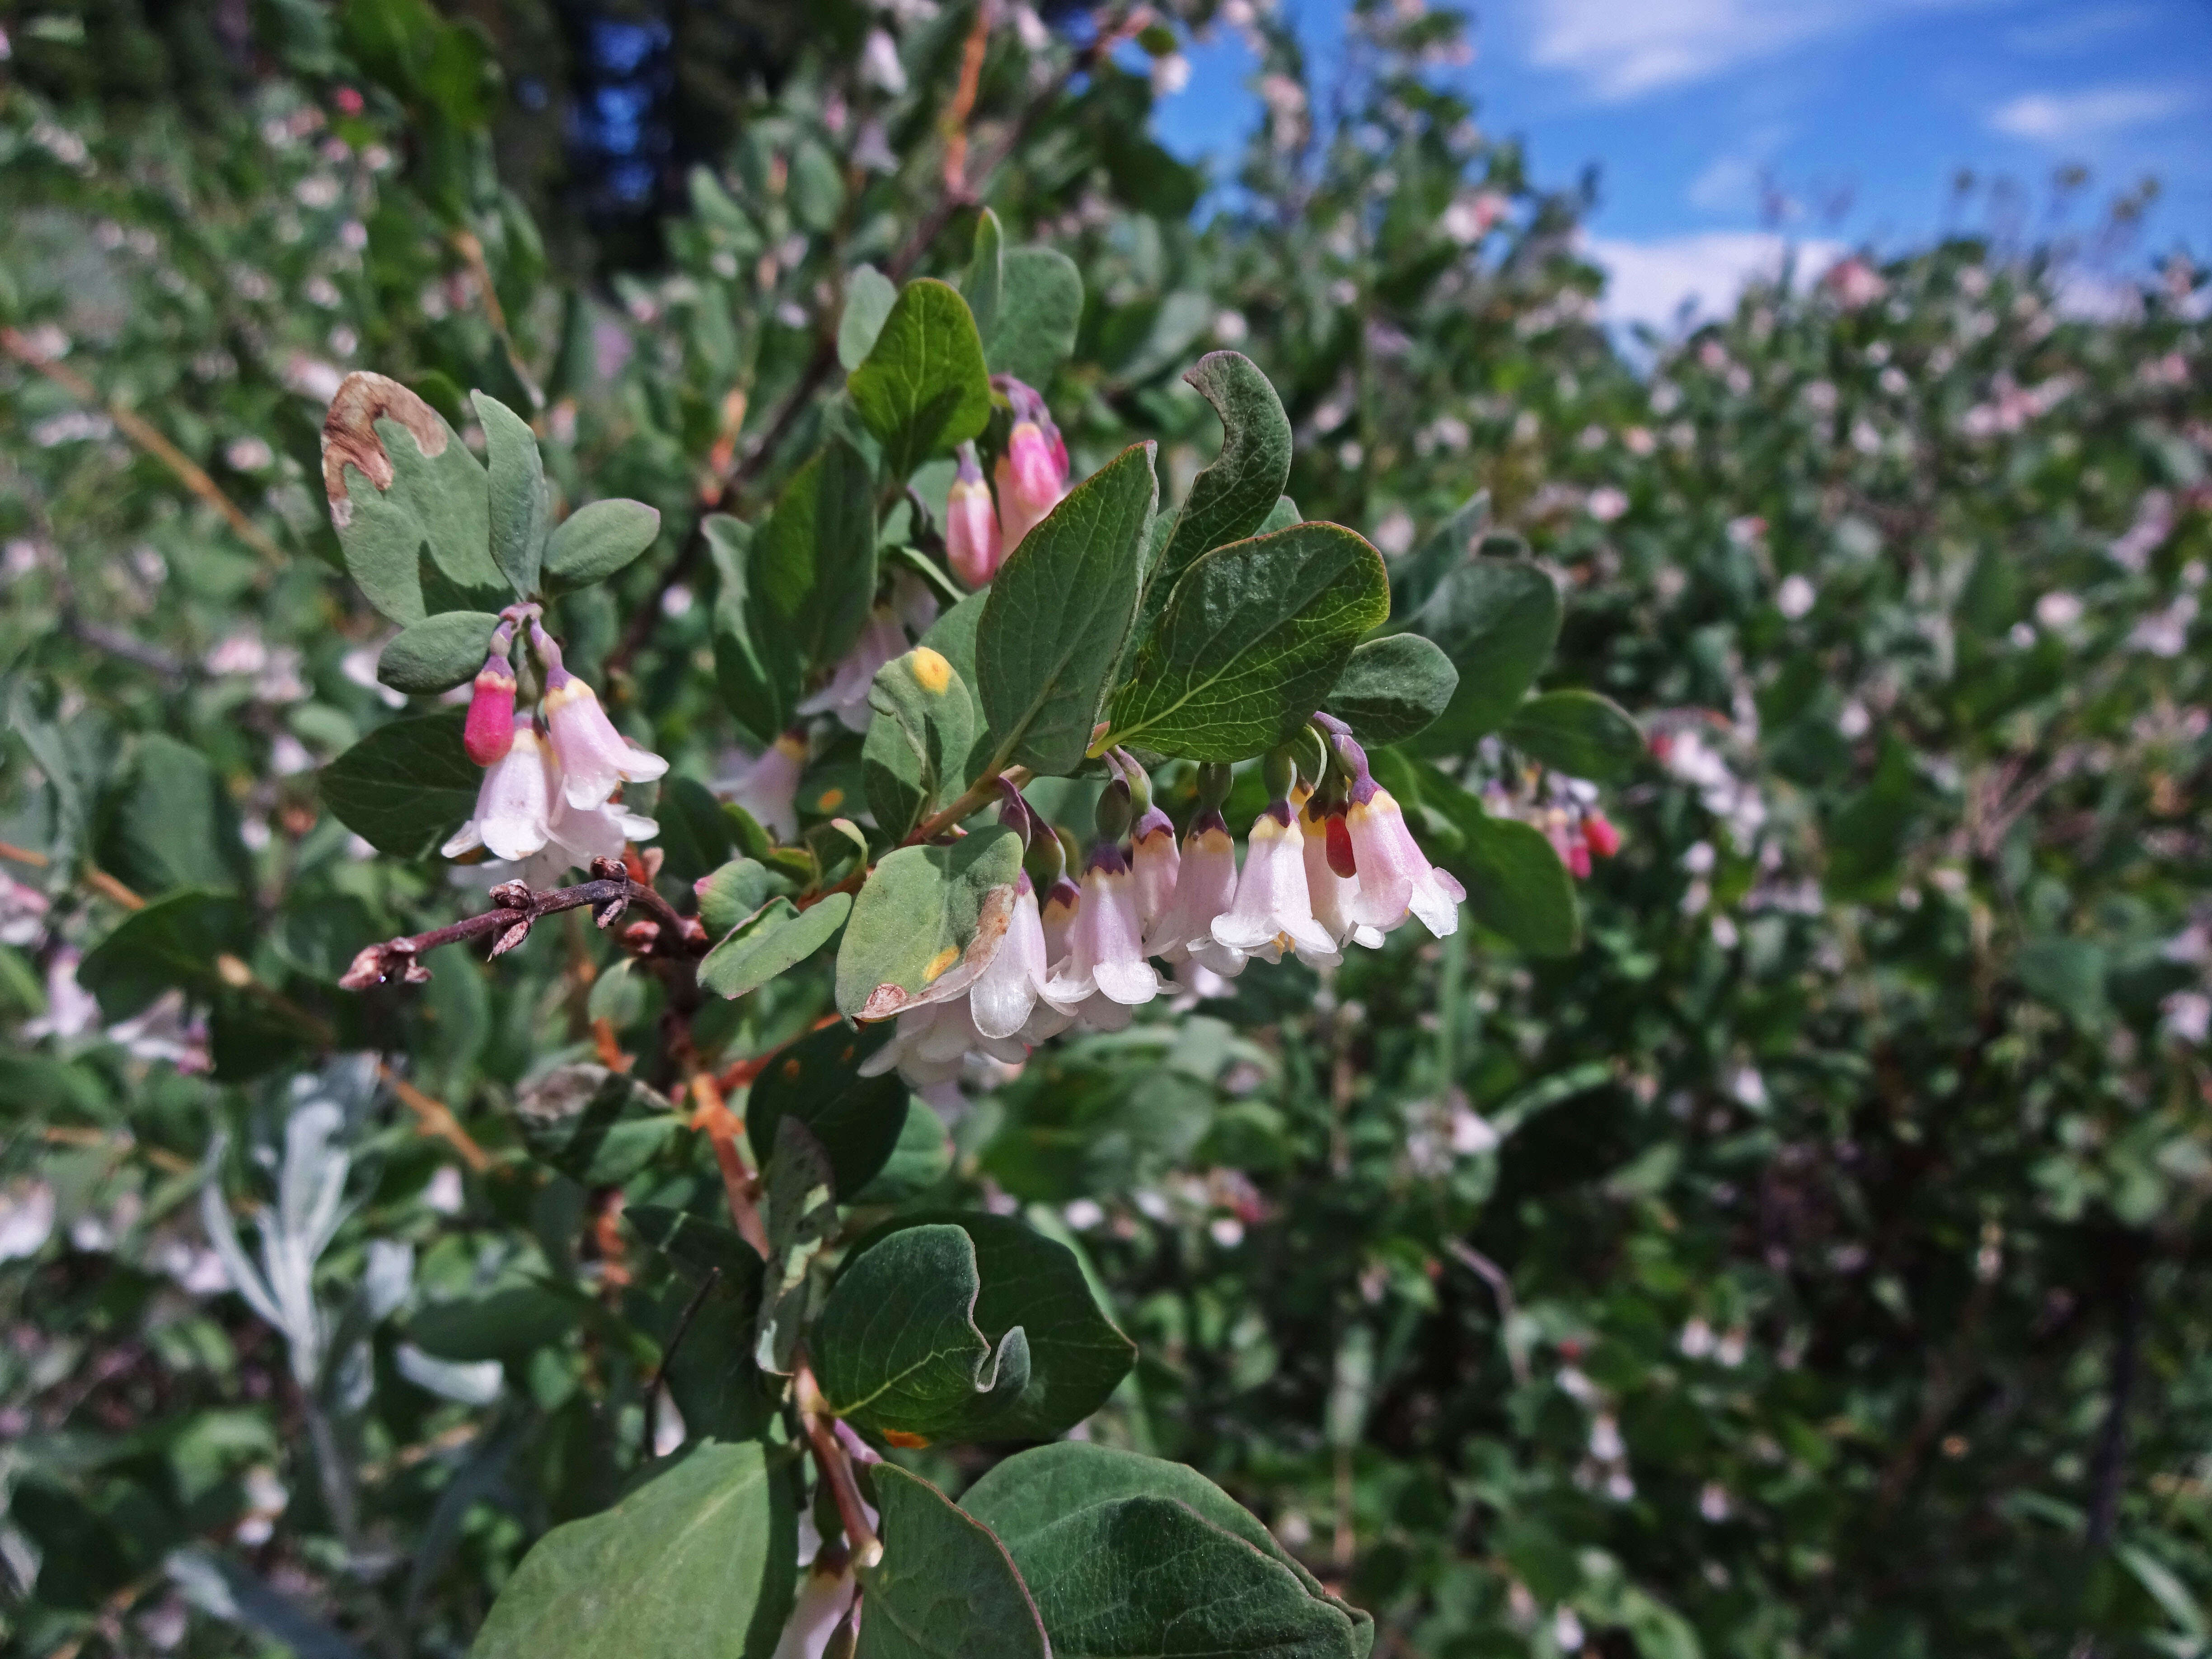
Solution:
(592, 756)
(1032, 477)
(1604, 839)
(972, 541)
(489, 733)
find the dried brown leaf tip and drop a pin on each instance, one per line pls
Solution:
(350, 439)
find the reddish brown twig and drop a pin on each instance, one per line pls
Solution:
(518, 907)
(836, 1467)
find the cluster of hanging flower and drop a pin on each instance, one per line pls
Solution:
(548, 799)
(1031, 477)
(1565, 808)
(1328, 864)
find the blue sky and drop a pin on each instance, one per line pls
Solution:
(1686, 105)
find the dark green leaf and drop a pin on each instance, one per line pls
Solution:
(773, 942)
(915, 756)
(697, 835)
(756, 663)
(711, 1374)
(699, 1563)
(171, 943)
(1128, 1555)
(869, 296)
(1059, 614)
(173, 823)
(509, 1323)
(2068, 974)
(924, 908)
(945, 1588)
(923, 388)
(405, 786)
(984, 284)
(437, 654)
(1252, 640)
(1578, 732)
(1449, 545)
(595, 540)
(1496, 620)
(1231, 499)
(1032, 331)
(813, 563)
(1515, 885)
(858, 1119)
(922, 1158)
(521, 506)
(1015, 1346)
(1392, 688)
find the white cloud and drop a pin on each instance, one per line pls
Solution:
(1621, 49)
(1647, 281)
(2069, 116)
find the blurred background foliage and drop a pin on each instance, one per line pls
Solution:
(1811, 1262)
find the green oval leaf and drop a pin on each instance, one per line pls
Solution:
(405, 786)
(171, 943)
(926, 913)
(776, 940)
(1578, 732)
(996, 1334)
(1059, 615)
(1392, 688)
(437, 654)
(923, 388)
(869, 296)
(1252, 640)
(595, 540)
(915, 756)
(521, 506)
(1129, 1555)
(420, 542)
(1497, 619)
(1032, 330)
(1233, 498)
(945, 1585)
(698, 1563)
(813, 563)
(757, 664)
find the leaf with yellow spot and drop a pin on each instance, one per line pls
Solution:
(929, 921)
(918, 743)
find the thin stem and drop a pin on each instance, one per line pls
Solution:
(1501, 1287)
(148, 438)
(836, 1468)
(979, 794)
(667, 1356)
(434, 1118)
(740, 1185)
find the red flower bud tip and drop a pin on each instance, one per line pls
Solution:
(1342, 858)
(1604, 839)
(490, 732)
(349, 101)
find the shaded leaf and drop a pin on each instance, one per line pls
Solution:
(597, 1127)
(1392, 688)
(1032, 331)
(1251, 643)
(856, 1120)
(405, 786)
(1578, 732)
(173, 824)
(1516, 884)
(813, 563)
(171, 943)
(437, 654)
(945, 1588)
(869, 296)
(1234, 497)
(757, 664)
(698, 1563)
(1497, 619)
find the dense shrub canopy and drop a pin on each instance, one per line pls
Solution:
(1766, 1216)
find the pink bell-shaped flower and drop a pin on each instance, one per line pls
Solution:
(1106, 946)
(1395, 878)
(1206, 888)
(1063, 902)
(767, 787)
(1153, 860)
(515, 804)
(972, 542)
(577, 835)
(1010, 994)
(592, 756)
(488, 731)
(1032, 475)
(932, 1042)
(1274, 908)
